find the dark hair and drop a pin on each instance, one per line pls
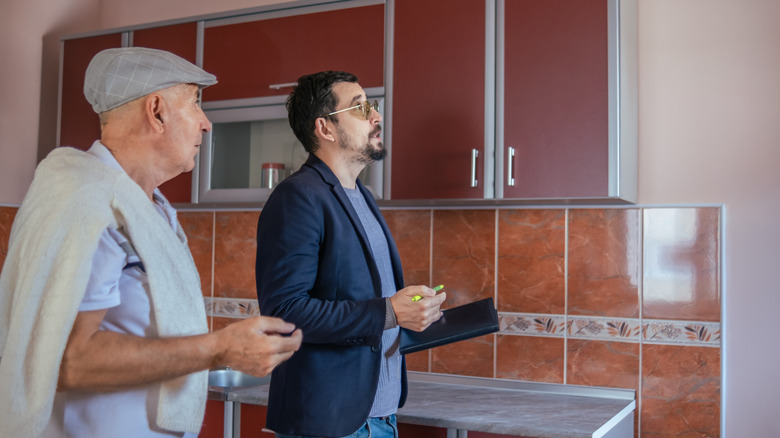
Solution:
(311, 99)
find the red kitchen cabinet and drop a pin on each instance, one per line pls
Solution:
(79, 125)
(252, 420)
(249, 57)
(556, 98)
(180, 39)
(558, 123)
(438, 99)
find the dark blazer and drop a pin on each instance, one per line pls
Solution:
(315, 268)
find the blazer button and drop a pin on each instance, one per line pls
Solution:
(375, 348)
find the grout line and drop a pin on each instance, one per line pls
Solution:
(213, 250)
(495, 290)
(641, 288)
(430, 277)
(565, 295)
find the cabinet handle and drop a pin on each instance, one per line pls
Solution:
(474, 156)
(510, 167)
(286, 85)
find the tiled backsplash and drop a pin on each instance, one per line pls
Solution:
(619, 297)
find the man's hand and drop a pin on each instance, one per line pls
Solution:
(103, 360)
(418, 314)
(258, 344)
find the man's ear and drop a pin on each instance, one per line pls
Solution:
(154, 108)
(322, 130)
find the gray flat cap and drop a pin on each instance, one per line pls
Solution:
(117, 76)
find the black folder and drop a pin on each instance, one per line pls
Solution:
(458, 323)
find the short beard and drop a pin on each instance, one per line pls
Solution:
(376, 154)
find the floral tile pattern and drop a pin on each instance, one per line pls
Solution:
(624, 330)
(532, 324)
(683, 333)
(693, 333)
(231, 307)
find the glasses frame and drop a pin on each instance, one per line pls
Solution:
(365, 108)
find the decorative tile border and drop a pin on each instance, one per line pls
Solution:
(231, 307)
(613, 329)
(681, 332)
(527, 324)
(691, 333)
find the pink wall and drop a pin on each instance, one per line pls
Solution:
(708, 123)
(29, 46)
(709, 132)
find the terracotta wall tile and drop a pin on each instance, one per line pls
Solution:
(235, 250)
(535, 359)
(680, 391)
(604, 262)
(602, 363)
(472, 357)
(531, 258)
(681, 260)
(199, 228)
(411, 231)
(218, 323)
(7, 215)
(463, 254)
(419, 361)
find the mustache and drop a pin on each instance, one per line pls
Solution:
(376, 131)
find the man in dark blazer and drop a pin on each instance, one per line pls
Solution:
(326, 261)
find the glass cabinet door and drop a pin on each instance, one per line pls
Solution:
(250, 148)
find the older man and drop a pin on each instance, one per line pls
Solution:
(102, 329)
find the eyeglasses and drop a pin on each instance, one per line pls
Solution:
(365, 108)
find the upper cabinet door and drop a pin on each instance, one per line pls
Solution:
(180, 39)
(556, 98)
(262, 57)
(438, 102)
(568, 125)
(79, 125)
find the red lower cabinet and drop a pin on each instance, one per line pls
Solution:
(252, 421)
(213, 422)
(416, 431)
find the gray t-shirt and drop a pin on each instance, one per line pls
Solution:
(388, 392)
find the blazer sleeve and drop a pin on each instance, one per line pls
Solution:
(313, 270)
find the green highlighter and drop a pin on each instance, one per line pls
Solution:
(436, 289)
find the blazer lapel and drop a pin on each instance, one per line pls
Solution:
(335, 187)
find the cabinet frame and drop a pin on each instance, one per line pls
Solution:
(622, 101)
(241, 110)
